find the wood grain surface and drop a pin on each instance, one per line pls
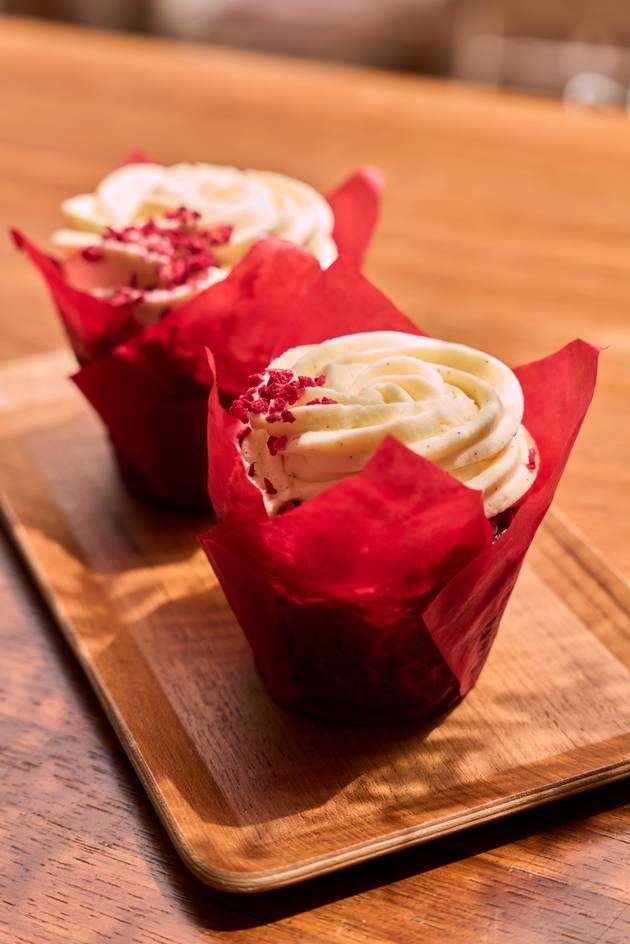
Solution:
(505, 224)
(256, 797)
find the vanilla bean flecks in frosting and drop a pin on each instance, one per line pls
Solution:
(320, 412)
(250, 204)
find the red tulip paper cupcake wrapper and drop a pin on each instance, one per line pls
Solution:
(150, 384)
(380, 598)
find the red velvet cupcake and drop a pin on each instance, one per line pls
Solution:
(378, 495)
(159, 262)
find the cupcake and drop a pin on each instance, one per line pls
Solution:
(159, 262)
(154, 236)
(379, 492)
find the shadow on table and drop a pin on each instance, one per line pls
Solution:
(287, 763)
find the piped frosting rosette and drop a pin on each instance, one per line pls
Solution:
(160, 262)
(156, 235)
(370, 552)
(453, 405)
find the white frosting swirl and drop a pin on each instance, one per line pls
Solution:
(456, 406)
(254, 203)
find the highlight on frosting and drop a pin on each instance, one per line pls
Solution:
(320, 411)
(117, 243)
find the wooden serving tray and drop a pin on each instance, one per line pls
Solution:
(255, 797)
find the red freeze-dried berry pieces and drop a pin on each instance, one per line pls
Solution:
(320, 400)
(282, 376)
(183, 214)
(276, 444)
(242, 436)
(220, 234)
(184, 249)
(270, 488)
(252, 471)
(239, 410)
(92, 254)
(271, 392)
(531, 460)
(125, 295)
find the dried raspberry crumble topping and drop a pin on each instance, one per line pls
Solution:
(269, 488)
(92, 254)
(184, 250)
(268, 396)
(271, 392)
(276, 444)
(531, 460)
(125, 295)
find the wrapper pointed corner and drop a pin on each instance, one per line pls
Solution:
(380, 599)
(150, 384)
(356, 205)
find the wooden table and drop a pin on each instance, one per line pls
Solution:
(506, 225)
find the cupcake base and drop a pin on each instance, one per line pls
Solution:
(337, 663)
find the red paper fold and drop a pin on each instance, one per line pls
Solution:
(380, 598)
(94, 327)
(150, 384)
(355, 205)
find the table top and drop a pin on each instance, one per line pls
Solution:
(505, 226)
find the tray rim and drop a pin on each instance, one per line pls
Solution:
(254, 881)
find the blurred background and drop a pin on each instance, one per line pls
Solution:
(575, 49)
